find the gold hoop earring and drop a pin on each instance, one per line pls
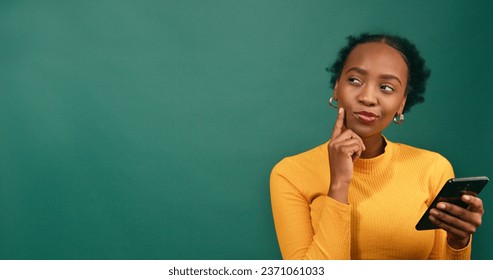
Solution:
(401, 119)
(332, 105)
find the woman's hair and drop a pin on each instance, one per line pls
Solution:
(418, 73)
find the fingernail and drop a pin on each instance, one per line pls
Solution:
(441, 206)
(467, 197)
(433, 212)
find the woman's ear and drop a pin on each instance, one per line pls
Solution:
(403, 104)
(336, 94)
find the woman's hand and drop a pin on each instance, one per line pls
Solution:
(459, 223)
(344, 148)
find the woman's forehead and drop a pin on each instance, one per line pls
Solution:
(376, 57)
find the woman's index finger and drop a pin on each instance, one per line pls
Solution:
(338, 127)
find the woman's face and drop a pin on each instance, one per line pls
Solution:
(372, 88)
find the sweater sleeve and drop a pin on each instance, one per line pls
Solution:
(441, 250)
(300, 233)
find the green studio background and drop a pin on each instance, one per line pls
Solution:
(148, 129)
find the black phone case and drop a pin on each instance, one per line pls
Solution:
(451, 192)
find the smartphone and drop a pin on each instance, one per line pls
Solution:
(451, 192)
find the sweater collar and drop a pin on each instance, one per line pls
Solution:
(377, 164)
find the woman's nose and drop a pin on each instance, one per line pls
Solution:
(367, 97)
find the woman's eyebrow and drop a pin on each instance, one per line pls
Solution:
(357, 69)
(383, 76)
(390, 77)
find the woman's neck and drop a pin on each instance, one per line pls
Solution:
(375, 146)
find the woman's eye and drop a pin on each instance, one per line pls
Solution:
(354, 81)
(387, 88)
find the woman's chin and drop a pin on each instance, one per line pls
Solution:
(364, 131)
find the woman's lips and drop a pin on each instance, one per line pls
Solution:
(366, 117)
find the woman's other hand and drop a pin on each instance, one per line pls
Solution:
(459, 223)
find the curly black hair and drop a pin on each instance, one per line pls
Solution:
(418, 73)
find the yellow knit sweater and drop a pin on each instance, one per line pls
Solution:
(387, 196)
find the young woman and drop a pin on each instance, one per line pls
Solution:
(359, 196)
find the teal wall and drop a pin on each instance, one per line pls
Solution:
(148, 129)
